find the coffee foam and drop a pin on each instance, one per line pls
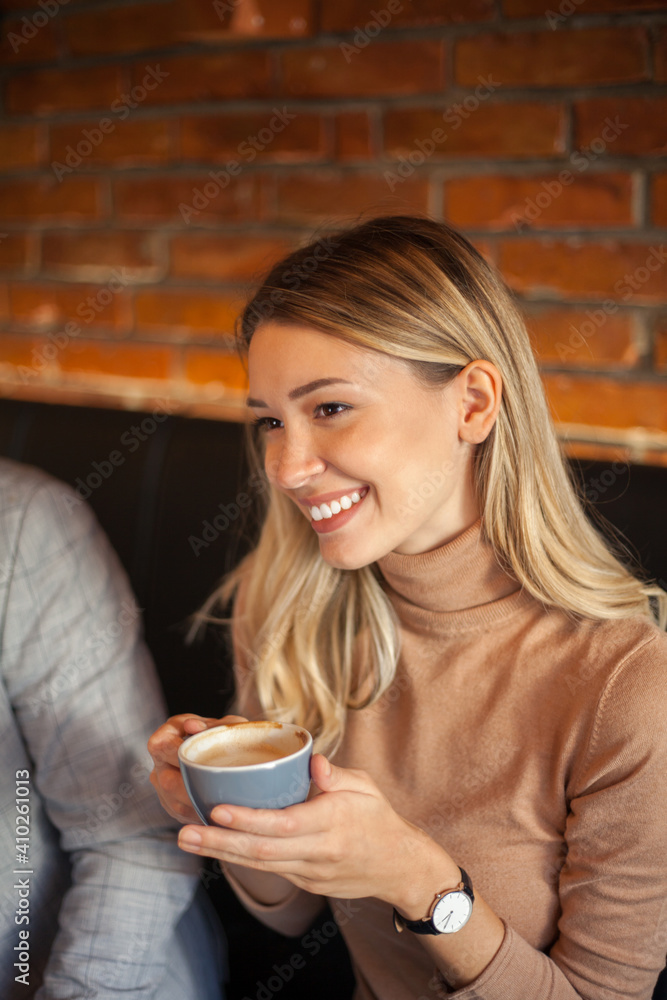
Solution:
(260, 742)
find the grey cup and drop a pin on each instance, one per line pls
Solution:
(271, 784)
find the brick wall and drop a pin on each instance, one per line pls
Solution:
(155, 156)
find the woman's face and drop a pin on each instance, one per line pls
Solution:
(372, 458)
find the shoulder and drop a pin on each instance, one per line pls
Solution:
(46, 530)
(635, 691)
(626, 697)
(48, 504)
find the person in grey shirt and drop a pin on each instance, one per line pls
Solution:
(97, 899)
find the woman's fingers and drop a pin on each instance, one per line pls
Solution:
(164, 743)
(275, 854)
(166, 775)
(172, 795)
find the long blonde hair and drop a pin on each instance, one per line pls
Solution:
(320, 641)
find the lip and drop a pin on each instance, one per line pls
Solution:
(326, 497)
(326, 525)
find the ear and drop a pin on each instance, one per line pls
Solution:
(481, 390)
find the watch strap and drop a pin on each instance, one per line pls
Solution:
(425, 925)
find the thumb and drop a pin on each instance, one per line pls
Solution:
(328, 777)
(321, 771)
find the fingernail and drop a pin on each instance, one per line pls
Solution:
(189, 840)
(222, 816)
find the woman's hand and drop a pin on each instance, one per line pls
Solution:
(166, 774)
(346, 842)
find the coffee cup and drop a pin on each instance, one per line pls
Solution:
(265, 765)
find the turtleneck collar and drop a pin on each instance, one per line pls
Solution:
(457, 586)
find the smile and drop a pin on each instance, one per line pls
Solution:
(325, 511)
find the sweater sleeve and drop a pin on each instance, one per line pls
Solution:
(293, 914)
(612, 931)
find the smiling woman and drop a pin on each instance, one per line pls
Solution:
(424, 588)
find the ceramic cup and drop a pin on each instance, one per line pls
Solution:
(265, 765)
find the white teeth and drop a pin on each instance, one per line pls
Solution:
(327, 510)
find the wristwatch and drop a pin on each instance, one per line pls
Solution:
(451, 910)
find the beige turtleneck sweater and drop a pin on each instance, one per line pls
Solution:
(534, 749)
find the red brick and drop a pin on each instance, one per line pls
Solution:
(661, 55)
(384, 69)
(660, 349)
(324, 195)
(605, 402)
(51, 306)
(94, 255)
(215, 77)
(348, 15)
(554, 58)
(73, 199)
(571, 269)
(490, 130)
(20, 146)
(123, 29)
(538, 8)
(188, 313)
(129, 143)
(259, 19)
(644, 117)
(522, 203)
(14, 251)
(19, 352)
(206, 367)
(238, 258)
(659, 200)
(46, 90)
(246, 137)
(171, 198)
(580, 339)
(124, 360)
(20, 45)
(353, 140)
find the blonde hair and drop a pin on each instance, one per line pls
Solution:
(320, 641)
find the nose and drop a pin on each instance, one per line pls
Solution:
(292, 461)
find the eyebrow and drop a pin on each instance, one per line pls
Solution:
(300, 391)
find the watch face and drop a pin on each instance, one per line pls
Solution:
(452, 912)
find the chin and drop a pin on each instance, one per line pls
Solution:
(339, 559)
(348, 557)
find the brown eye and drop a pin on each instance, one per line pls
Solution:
(266, 423)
